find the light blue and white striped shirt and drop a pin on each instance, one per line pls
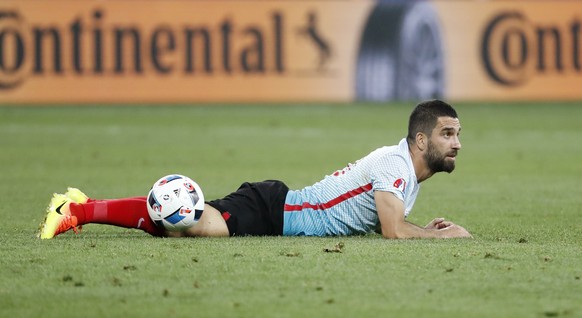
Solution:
(343, 203)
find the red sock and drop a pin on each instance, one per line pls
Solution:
(129, 213)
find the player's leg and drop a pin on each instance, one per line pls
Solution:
(211, 224)
(73, 209)
(126, 212)
(254, 209)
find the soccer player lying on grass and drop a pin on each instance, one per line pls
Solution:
(376, 193)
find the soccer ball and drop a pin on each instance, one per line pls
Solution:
(175, 202)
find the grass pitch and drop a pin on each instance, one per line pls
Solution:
(516, 188)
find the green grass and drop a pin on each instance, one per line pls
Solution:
(517, 188)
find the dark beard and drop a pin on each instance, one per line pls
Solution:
(436, 162)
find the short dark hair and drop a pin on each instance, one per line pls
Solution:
(425, 115)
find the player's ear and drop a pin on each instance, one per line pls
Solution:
(421, 141)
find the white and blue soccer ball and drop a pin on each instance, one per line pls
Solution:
(175, 202)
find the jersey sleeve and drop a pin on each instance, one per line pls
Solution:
(390, 174)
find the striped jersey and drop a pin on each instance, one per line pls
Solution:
(343, 203)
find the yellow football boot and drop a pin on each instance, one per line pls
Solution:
(58, 218)
(76, 195)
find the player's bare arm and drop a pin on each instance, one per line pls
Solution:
(394, 226)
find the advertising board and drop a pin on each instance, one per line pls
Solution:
(154, 51)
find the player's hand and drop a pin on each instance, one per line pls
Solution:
(454, 231)
(437, 224)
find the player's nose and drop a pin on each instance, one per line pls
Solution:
(456, 143)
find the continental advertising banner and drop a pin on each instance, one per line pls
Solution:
(176, 51)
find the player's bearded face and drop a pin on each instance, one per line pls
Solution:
(437, 161)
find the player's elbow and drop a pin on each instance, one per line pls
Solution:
(393, 234)
(390, 236)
